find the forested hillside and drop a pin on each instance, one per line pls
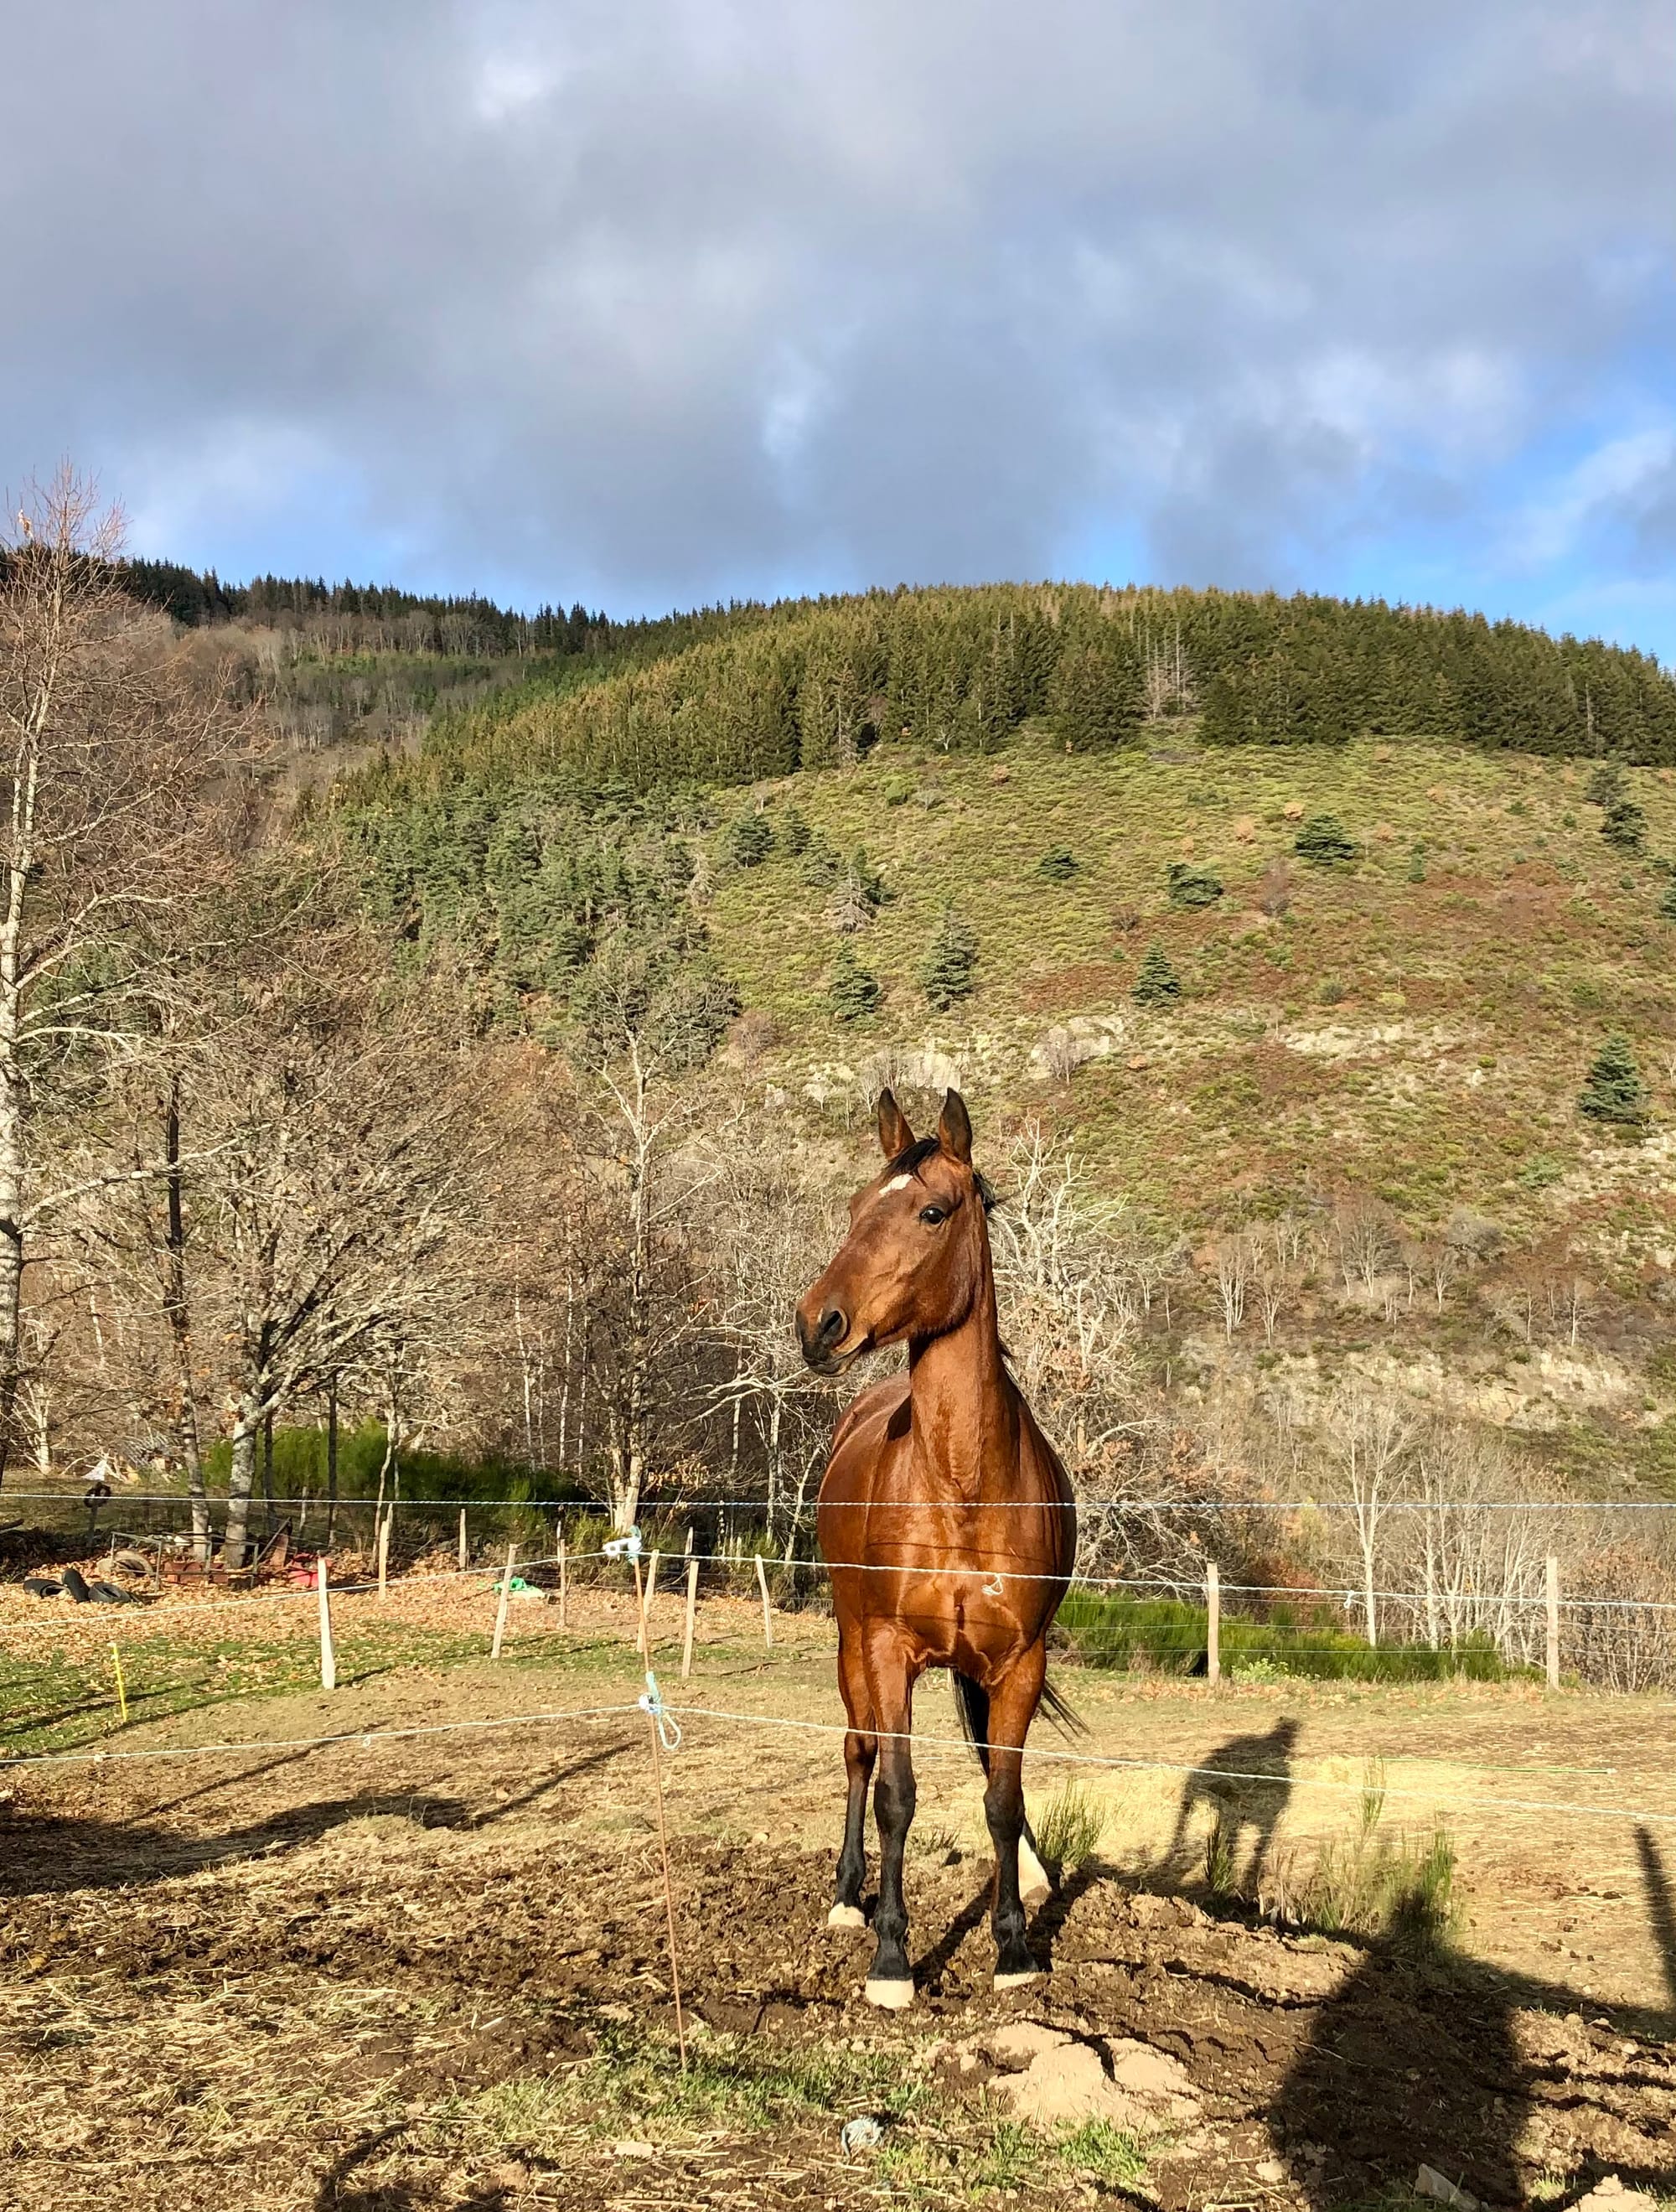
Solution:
(810, 684)
(1303, 964)
(1267, 912)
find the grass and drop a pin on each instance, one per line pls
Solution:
(1069, 1828)
(63, 1703)
(1167, 1636)
(1397, 1889)
(932, 2151)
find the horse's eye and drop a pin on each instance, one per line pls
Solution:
(932, 1216)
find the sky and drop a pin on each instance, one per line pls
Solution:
(662, 302)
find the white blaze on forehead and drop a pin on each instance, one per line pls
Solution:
(897, 1183)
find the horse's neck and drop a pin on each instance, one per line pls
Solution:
(965, 1410)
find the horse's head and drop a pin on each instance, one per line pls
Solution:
(918, 1247)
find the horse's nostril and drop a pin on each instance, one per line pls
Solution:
(835, 1327)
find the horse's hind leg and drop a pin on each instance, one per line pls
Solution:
(861, 1750)
(890, 1686)
(972, 1701)
(1011, 1708)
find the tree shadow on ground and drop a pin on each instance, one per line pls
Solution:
(1415, 2061)
(46, 1854)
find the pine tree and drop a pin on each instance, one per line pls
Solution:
(1623, 824)
(1325, 842)
(1192, 886)
(794, 834)
(853, 994)
(1667, 903)
(1604, 786)
(749, 840)
(946, 973)
(1058, 864)
(1615, 1092)
(1157, 983)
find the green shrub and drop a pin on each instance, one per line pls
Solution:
(854, 993)
(1615, 1092)
(1606, 785)
(947, 974)
(1166, 1635)
(898, 791)
(1624, 825)
(1192, 886)
(749, 840)
(1059, 865)
(794, 834)
(1157, 984)
(1325, 842)
(1667, 903)
(1069, 1827)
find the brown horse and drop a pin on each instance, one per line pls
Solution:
(945, 1517)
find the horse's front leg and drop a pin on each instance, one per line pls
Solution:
(1011, 1708)
(861, 1750)
(890, 1683)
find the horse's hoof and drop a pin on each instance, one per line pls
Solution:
(894, 1996)
(1017, 1981)
(847, 1915)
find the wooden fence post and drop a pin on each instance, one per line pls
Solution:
(692, 1610)
(384, 1554)
(506, 1600)
(328, 1651)
(1552, 1579)
(652, 1583)
(639, 1607)
(1212, 1621)
(768, 1618)
(564, 1589)
(121, 1686)
(462, 1540)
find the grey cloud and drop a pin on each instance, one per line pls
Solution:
(661, 302)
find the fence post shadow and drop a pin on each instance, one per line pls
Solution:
(1660, 1906)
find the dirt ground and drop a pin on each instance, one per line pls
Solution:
(430, 1970)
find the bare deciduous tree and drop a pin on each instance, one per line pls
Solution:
(116, 755)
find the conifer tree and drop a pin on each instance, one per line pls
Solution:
(946, 973)
(1058, 864)
(1325, 842)
(794, 834)
(1623, 824)
(854, 993)
(1157, 984)
(1192, 886)
(749, 840)
(1667, 903)
(1615, 1092)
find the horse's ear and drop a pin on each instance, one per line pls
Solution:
(894, 1134)
(954, 1130)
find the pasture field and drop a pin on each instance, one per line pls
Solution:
(428, 1970)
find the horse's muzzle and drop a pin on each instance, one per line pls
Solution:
(820, 1338)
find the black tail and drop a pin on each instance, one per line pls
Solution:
(972, 1707)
